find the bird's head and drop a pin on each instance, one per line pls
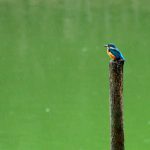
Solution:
(110, 45)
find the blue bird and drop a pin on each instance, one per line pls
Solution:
(114, 52)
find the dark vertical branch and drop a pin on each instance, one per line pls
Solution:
(116, 104)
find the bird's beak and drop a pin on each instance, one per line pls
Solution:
(105, 45)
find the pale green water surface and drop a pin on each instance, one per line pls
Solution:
(54, 92)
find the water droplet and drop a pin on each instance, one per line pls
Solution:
(84, 49)
(146, 140)
(47, 110)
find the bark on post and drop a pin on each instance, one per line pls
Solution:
(116, 104)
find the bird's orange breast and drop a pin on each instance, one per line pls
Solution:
(111, 55)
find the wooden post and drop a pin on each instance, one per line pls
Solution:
(116, 104)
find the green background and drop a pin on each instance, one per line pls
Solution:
(54, 89)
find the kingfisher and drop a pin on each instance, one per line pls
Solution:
(114, 52)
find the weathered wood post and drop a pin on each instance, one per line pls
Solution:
(116, 104)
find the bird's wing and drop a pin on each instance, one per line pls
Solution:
(115, 52)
